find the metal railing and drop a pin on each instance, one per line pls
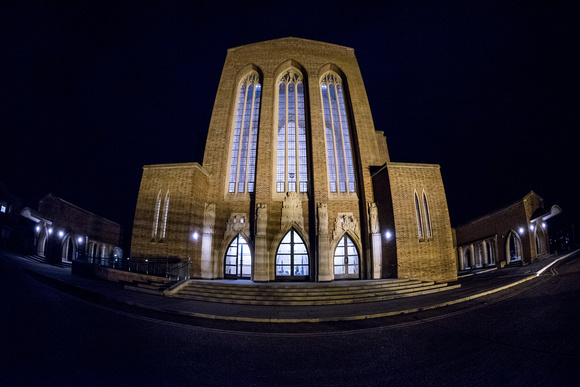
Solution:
(171, 268)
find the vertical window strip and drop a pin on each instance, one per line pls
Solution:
(156, 216)
(165, 212)
(419, 222)
(236, 144)
(303, 177)
(339, 145)
(244, 148)
(291, 158)
(291, 143)
(329, 139)
(281, 156)
(346, 136)
(245, 137)
(254, 140)
(427, 218)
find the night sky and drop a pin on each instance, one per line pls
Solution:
(92, 91)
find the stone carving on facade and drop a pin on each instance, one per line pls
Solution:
(345, 222)
(322, 219)
(238, 223)
(208, 218)
(292, 210)
(262, 219)
(374, 218)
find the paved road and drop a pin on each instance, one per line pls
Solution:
(528, 336)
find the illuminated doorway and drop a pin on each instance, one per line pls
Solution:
(292, 258)
(238, 262)
(513, 248)
(346, 260)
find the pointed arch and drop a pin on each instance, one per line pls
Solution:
(346, 259)
(291, 154)
(245, 134)
(513, 247)
(340, 166)
(292, 258)
(238, 260)
(419, 216)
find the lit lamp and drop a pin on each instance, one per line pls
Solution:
(521, 230)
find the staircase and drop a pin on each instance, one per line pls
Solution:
(340, 292)
(156, 286)
(40, 259)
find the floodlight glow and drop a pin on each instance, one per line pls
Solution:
(37, 228)
(521, 230)
(531, 227)
(544, 225)
(61, 233)
(195, 235)
(80, 239)
(50, 230)
(388, 235)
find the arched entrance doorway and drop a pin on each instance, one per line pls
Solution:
(68, 249)
(467, 258)
(346, 259)
(513, 248)
(41, 243)
(238, 262)
(292, 258)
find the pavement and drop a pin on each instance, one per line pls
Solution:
(474, 285)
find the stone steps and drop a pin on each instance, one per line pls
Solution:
(307, 294)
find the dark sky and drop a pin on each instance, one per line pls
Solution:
(92, 91)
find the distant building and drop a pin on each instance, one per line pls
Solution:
(66, 232)
(516, 234)
(296, 183)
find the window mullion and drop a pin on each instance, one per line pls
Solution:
(335, 155)
(286, 181)
(343, 146)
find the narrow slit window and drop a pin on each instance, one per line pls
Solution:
(427, 218)
(419, 221)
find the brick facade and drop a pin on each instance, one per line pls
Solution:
(519, 219)
(199, 197)
(75, 232)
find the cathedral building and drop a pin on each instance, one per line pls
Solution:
(296, 184)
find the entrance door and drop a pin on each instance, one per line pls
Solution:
(238, 262)
(292, 258)
(514, 249)
(346, 262)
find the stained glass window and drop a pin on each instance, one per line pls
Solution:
(291, 164)
(243, 158)
(338, 145)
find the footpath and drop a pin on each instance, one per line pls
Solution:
(474, 285)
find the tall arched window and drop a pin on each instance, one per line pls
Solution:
(291, 169)
(427, 218)
(165, 211)
(419, 217)
(292, 258)
(346, 262)
(338, 146)
(243, 158)
(156, 213)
